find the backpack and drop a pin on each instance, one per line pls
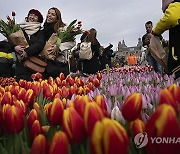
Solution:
(85, 51)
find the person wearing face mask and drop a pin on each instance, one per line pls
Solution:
(59, 63)
(171, 21)
(35, 39)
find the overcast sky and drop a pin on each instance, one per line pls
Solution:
(114, 20)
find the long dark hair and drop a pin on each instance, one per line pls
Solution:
(59, 22)
(92, 37)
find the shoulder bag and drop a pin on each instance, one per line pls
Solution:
(85, 51)
(35, 64)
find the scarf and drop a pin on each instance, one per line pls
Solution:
(48, 30)
(30, 27)
(165, 4)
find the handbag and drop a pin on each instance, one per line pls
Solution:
(85, 51)
(35, 64)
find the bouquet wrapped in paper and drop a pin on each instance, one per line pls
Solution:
(12, 31)
(64, 35)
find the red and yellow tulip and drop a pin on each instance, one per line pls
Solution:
(59, 143)
(13, 117)
(55, 111)
(175, 90)
(109, 137)
(132, 106)
(163, 123)
(40, 145)
(73, 125)
(92, 114)
(35, 129)
(137, 126)
(33, 115)
(166, 97)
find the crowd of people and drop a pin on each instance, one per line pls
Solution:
(37, 35)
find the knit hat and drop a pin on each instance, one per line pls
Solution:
(165, 4)
(37, 13)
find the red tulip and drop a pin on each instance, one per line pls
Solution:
(137, 126)
(59, 144)
(8, 18)
(86, 89)
(81, 82)
(14, 90)
(80, 90)
(92, 114)
(175, 90)
(36, 87)
(90, 85)
(63, 83)
(22, 93)
(90, 79)
(166, 97)
(55, 112)
(79, 105)
(163, 123)
(13, 118)
(61, 76)
(109, 137)
(99, 76)
(6, 99)
(38, 75)
(37, 107)
(33, 76)
(51, 81)
(22, 83)
(40, 145)
(29, 97)
(72, 90)
(33, 115)
(2, 90)
(99, 99)
(132, 106)
(35, 129)
(58, 81)
(21, 105)
(64, 92)
(73, 125)
(70, 80)
(48, 91)
(96, 82)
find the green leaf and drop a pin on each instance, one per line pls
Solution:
(17, 144)
(3, 150)
(51, 132)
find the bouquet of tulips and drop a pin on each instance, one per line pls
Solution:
(12, 31)
(9, 27)
(64, 35)
(69, 34)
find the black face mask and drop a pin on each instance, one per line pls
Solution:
(48, 30)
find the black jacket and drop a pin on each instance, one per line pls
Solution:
(36, 43)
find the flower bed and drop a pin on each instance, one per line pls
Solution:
(100, 114)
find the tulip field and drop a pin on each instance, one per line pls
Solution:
(128, 110)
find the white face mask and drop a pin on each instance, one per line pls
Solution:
(165, 4)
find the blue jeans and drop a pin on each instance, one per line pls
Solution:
(152, 62)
